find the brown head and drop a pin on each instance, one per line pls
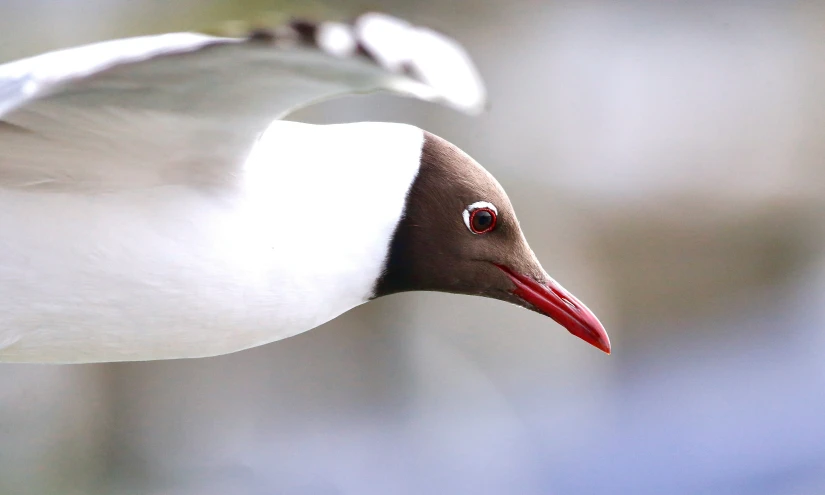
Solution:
(459, 234)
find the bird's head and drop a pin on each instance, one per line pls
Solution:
(459, 234)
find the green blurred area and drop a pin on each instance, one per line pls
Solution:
(30, 36)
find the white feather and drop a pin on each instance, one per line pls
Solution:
(170, 271)
(142, 218)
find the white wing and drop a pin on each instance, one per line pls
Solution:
(187, 107)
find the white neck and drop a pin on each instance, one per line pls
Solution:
(170, 272)
(319, 207)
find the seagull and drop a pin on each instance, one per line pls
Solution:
(153, 204)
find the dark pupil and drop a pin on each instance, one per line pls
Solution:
(482, 220)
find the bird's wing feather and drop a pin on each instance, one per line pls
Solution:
(187, 106)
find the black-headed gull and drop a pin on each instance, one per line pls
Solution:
(153, 207)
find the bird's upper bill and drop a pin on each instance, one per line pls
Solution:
(551, 299)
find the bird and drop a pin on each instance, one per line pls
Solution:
(154, 203)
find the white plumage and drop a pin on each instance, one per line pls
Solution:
(145, 213)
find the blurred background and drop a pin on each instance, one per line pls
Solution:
(666, 161)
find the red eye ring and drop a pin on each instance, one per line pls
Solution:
(486, 223)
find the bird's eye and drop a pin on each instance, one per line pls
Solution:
(480, 217)
(482, 221)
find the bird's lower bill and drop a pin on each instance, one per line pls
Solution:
(551, 299)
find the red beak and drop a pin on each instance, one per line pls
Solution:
(553, 301)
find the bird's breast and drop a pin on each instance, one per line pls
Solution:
(160, 273)
(174, 267)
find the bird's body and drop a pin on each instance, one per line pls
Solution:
(153, 269)
(150, 208)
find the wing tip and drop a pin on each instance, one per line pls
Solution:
(432, 65)
(429, 57)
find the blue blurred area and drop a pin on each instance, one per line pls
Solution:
(665, 160)
(741, 413)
